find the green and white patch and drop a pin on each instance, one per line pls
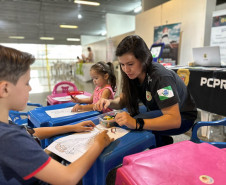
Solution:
(165, 93)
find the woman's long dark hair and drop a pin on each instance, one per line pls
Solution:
(106, 68)
(135, 45)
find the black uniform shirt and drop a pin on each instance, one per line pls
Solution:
(164, 88)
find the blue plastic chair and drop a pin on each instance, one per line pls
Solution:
(194, 136)
(21, 118)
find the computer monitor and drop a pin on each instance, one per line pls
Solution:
(156, 51)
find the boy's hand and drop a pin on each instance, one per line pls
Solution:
(77, 108)
(103, 139)
(84, 126)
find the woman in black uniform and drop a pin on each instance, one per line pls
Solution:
(170, 108)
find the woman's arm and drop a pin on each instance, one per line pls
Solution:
(170, 119)
(46, 132)
(116, 103)
(105, 94)
(56, 173)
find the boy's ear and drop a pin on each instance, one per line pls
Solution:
(4, 89)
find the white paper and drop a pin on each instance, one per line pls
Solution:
(56, 113)
(74, 146)
(68, 98)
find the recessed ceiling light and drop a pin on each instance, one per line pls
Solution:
(46, 38)
(69, 26)
(73, 39)
(79, 16)
(87, 3)
(16, 37)
(103, 33)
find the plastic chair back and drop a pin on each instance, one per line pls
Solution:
(64, 87)
(21, 118)
(194, 136)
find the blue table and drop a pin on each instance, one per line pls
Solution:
(112, 156)
(39, 118)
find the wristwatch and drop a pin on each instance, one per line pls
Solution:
(139, 124)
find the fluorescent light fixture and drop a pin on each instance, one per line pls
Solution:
(87, 3)
(79, 16)
(46, 38)
(68, 26)
(16, 37)
(73, 39)
(137, 9)
(103, 33)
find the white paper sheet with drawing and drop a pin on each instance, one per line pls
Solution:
(74, 146)
(56, 113)
(68, 98)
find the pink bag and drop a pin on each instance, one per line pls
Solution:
(183, 163)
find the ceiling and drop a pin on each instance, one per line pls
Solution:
(41, 18)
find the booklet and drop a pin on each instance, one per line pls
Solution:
(73, 146)
(56, 113)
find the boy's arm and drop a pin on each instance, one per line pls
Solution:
(56, 173)
(46, 132)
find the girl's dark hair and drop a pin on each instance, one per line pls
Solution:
(106, 68)
(135, 45)
(14, 64)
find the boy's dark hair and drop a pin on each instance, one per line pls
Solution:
(13, 64)
(135, 45)
(106, 68)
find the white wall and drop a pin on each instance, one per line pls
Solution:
(119, 24)
(88, 39)
(192, 15)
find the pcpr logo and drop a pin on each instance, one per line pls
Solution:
(213, 82)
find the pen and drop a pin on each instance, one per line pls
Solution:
(72, 97)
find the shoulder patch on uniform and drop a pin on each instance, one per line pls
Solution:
(165, 93)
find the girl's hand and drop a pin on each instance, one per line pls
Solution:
(103, 139)
(77, 108)
(124, 118)
(75, 99)
(102, 104)
(84, 126)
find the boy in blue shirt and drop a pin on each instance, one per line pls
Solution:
(22, 160)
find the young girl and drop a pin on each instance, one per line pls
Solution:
(103, 77)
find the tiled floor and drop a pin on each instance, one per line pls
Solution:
(42, 86)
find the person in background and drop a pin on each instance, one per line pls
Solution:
(79, 60)
(22, 159)
(105, 81)
(170, 107)
(89, 58)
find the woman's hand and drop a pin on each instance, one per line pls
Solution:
(75, 99)
(102, 104)
(124, 118)
(103, 139)
(77, 108)
(84, 126)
